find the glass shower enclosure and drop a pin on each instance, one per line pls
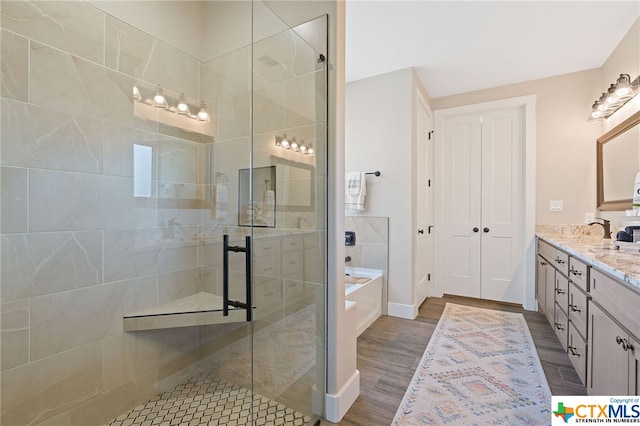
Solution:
(162, 213)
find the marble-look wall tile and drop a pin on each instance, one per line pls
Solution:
(375, 256)
(268, 108)
(72, 26)
(226, 76)
(130, 253)
(14, 67)
(44, 138)
(118, 361)
(68, 83)
(177, 160)
(118, 151)
(368, 229)
(68, 201)
(179, 284)
(137, 54)
(233, 116)
(305, 100)
(229, 156)
(33, 392)
(65, 320)
(14, 335)
(13, 203)
(43, 263)
(281, 57)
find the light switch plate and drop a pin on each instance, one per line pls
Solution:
(556, 206)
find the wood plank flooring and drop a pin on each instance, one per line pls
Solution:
(390, 350)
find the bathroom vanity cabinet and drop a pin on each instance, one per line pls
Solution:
(593, 312)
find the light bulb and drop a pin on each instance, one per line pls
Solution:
(136, 94)
(602, 102)
(203, 115)
(310, 150)
(303, 147)
(278, 141)
(159, 101)
(623, 87)
(182, 108)
(285, 142)
(612, 97)
(294, 145)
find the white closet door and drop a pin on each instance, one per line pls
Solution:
(462, 188)
(501, 205)
(422, 254)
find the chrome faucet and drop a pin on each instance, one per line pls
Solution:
(606, 225)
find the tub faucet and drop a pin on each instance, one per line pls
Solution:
(606, 226)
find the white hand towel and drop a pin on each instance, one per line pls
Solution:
(268, 206)
(355, 191)
(222, 204)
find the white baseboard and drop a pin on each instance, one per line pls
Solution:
(337, 405)
(402, 311)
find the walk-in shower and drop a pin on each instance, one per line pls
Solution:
(163, 253)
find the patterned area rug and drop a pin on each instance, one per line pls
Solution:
(479, 368)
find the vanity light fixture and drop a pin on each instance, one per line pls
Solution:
(293, 145)
(618, 94)
(136, 94)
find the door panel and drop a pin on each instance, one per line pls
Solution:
(420, 262)
(462, 210)
(501, 205)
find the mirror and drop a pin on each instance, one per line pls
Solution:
(261, 207)
(618, 159)
(295, 185)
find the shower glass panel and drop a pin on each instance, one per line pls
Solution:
(124, 130)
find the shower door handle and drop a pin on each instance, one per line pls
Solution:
(248, 304)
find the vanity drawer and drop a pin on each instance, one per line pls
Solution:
(561, 326)
(266, 246)
(615, 296)
(577, 350)
(578, 309)
(578, 273)
(562, 293)
(267, 265)
(291, 243)
(557, 258)
(292, 264)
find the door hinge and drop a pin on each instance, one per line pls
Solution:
(429, 183)
(428, 277)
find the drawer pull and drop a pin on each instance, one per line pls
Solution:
(573, 351)
(560, 261)
(574, 308)
(560, 291)
(575, 272)
(543, 263)
(559, 326)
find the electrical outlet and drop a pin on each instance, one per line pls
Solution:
(556, 206)
(589, 217)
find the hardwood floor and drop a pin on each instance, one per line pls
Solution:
(390, 350)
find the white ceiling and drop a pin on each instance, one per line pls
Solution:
(457, 47)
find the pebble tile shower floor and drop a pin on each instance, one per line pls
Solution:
(206, 400)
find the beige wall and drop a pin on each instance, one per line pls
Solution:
(565, 140)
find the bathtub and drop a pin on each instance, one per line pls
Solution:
(364, 287)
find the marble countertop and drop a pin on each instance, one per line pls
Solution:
(623, 264)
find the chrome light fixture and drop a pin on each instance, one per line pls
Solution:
(618, 94)
(290, 143)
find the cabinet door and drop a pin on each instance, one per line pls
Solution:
(550, 291)
(541, 275)
(634, 367)
(608, 372)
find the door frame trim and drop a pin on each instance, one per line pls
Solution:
(527, 250)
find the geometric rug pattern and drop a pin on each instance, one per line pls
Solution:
(480, 367)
